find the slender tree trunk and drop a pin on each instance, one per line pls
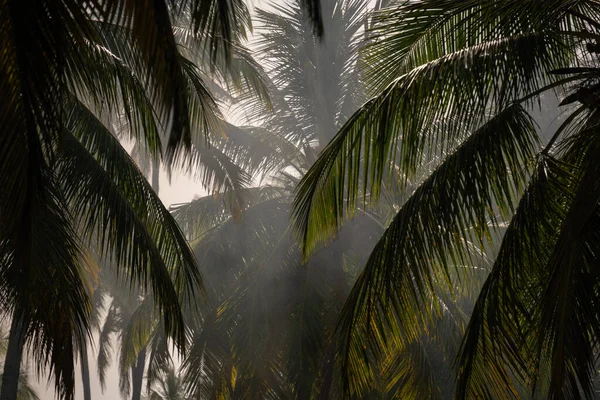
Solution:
(12, 363)
(137, 375)
(155, 174)
(85, 372)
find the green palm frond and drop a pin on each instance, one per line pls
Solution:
(54, 317)
(549, 349)
(408, 35)
(150, 28)
(410, 374)
(425, 365)
(135, 338)
(268, 315)
(221, 23)
(23, 115)
(214, 163)
(125, 93)
(246, 75)
(569, 322)
(439, 70)
(122, 60)
(236, 69)
(484, 374)
(127, 199)
(215, 172)
(399, 119)
(394, 293)
(204, 112)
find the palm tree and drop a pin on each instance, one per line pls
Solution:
(67, 179)
(457, 80)
(148, 347)
(266, 329)
(169, 386)
(141, 335)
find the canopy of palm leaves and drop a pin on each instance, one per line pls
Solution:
(481, 227)
(69, 188)
(267, 329)
(455, 79)
(268, 315)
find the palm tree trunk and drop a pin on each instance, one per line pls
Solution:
(85, 372)
(137, 375)
(12, 363)
(155, 174)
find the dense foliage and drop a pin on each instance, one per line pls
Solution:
(397, 205)
(456, 79)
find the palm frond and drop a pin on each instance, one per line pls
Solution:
(143, 237)
(311, 74)
(568, 320)
(489, 346)
(201, 215)
(395, 294)
(393, 130)
(313, 10)
(520, 326)
(127, 92)
(54, 317)
(220, 23)
(410, 374)
(407, 35)
(150, 29)
(137, 334)
(237, 69)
